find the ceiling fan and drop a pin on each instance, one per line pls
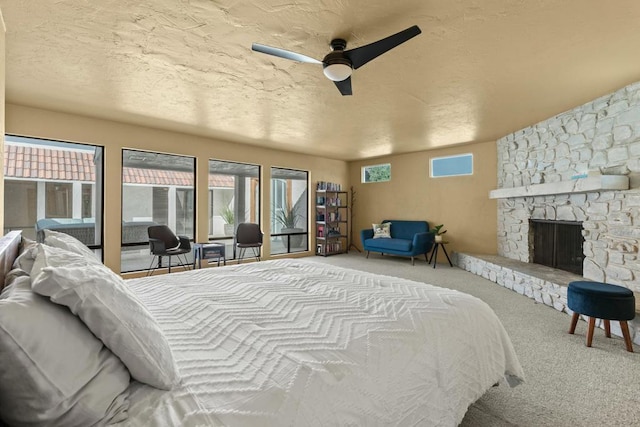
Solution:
(340, 63)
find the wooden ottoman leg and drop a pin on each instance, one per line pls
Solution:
(592, 325)
(574, 322)
(625, 334)
(607, 328)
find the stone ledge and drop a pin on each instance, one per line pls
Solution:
(553, 275)
(580, 185)
(544, 284)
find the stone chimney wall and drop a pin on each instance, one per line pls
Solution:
(602, 136)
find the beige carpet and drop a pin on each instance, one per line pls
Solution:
(567, 384)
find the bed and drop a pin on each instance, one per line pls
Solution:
(295, 342)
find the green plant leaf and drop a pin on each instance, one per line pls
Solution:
(227, 214)
(436, 230)
(287, 216)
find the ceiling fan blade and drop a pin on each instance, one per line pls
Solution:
(283, 53)
(344, 86)
(363, 54)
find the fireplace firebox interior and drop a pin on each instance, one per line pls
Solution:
(558, 244)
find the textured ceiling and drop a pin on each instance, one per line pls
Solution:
(480, 69)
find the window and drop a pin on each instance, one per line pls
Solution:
(53, 185)
(21, 212)
(289, 211)
(452, 166)
(156, 189)
(234, 197)
(87, 201)
(185, 211)
(58, 200)
(376, 173)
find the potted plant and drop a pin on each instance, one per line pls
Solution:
(438, 232)
(287, 218)
(228, 217)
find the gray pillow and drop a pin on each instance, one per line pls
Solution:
(110, 310)
(53, 371)
(28, 250)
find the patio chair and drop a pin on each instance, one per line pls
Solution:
(163, 242)
(248, 235)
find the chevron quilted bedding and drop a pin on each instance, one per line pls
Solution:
(299, 343)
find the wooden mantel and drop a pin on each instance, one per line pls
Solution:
(579, 185)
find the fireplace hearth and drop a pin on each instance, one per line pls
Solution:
(558, 244)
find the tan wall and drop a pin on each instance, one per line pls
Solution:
(2, 108)
(26, 121)
(462, 203)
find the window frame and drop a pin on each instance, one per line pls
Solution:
(363, 172)
(283, 190)
(145, 244)
(211, 192)
(98, 189)
(455, 156)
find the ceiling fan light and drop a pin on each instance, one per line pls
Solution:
(337, 72)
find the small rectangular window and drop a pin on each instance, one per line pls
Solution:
(376, 173)
(452, 165)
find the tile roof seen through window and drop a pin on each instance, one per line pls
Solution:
(66, 165)
(47, 164)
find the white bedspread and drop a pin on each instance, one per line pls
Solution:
(298, 343)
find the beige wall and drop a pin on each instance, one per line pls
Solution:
(26, 121)
(462, 203)
(2, 108)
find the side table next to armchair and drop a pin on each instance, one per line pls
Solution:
(434, 253)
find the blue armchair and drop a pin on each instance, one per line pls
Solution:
(408, 238)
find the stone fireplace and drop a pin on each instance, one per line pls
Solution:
(582, 165)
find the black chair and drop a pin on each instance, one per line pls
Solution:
(248, 235)
(162, 242)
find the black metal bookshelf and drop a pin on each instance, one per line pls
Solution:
(332, 219)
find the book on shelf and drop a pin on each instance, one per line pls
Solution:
(328, 186)
(334, 216)
(333, 232)
(333, 201)
(329, 248)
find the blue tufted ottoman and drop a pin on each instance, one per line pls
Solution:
(601, 301)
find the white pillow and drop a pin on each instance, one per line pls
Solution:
(53, 371)
(70, 243)
(382, 231)
(110, 310)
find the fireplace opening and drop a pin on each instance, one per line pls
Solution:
(558, 244)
